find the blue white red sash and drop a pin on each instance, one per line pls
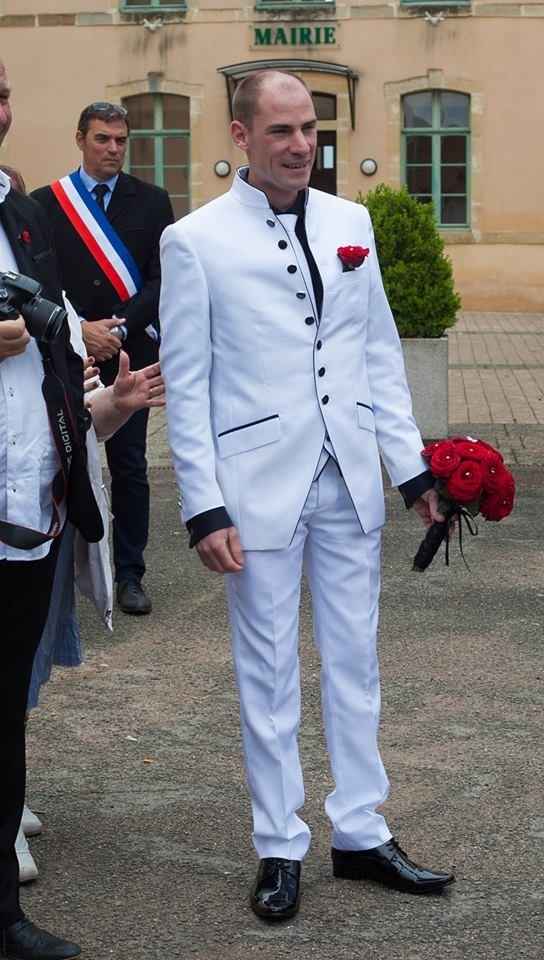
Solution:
(102, 241)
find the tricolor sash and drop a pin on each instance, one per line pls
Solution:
(102, 241)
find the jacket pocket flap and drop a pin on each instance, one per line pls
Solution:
(249, 436)
(365, 417)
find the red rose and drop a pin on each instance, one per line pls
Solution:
(465, 483)
(352, 257)
(477, 450)
(445, 459)
(497, 506)
(25, 236)
(497, 479)
(428, 451)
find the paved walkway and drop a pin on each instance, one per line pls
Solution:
(496, 387)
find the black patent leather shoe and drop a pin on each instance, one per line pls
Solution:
(276, 893)
(24, 941)
(390, 865)
(132, 597)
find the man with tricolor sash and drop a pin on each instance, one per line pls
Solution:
(107, 226)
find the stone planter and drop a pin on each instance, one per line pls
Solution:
(426, 362)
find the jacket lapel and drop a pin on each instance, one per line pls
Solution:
(14, 224)
(125, 188)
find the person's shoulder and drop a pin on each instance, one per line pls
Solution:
(27, 205)
(142, 187)
(43, 196)
(203, 219)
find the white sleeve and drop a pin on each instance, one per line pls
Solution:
(186, 362)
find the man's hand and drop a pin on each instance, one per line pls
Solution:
(13, 338)
(143, 388)
(102, 344)
(221, 551)
(426, 506)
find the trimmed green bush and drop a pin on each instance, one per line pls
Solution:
(417, 276)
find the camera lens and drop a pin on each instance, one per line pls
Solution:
(44, 319)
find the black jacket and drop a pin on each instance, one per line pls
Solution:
(28, 233)
(139, 212)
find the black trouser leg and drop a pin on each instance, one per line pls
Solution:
(129, 496)
(25, 591)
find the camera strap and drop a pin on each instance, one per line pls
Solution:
(64, 433)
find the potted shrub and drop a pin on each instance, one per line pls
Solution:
(418, 281)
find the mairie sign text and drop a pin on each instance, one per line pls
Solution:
(296, 36)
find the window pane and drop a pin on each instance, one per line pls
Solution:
(325, 106)
(454, 179)
(454, 110)
(140, 111)
(418, 109)
(144, 173)
(141, 150)
(454, 149)
(176, 180)
(419, 150)
(419, 179)
(454, 210)
(176, 150)
(176, 112)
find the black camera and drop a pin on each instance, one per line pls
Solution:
(21, 295)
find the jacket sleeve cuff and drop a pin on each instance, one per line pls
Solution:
(207, 522)
(413, 488)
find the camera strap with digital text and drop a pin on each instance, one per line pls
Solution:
(64, 433)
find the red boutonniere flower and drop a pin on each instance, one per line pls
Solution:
(352, 257)
(25, 236)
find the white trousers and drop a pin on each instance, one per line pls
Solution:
(342, 565)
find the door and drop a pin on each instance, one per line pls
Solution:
(324, 172)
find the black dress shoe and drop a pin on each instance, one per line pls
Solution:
(24, 941)
(276, 894)
(132, 597)
(388, 864)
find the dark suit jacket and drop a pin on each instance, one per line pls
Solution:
(139, 212)
(29, 236)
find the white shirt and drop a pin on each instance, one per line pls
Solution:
(28, 457)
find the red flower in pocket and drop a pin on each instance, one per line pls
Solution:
(352, 257)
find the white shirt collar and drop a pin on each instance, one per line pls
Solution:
(91, 182)
(5, 185)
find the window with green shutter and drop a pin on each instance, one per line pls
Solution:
(152, 6)
(159, 144)
(436, 152)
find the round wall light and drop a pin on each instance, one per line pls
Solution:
(222, 168)
(368, 166)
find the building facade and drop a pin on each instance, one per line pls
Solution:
(443, 97)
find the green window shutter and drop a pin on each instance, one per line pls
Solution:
(152, 6)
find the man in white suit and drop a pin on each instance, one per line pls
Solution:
(285, 382)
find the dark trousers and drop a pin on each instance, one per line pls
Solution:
(25, 591)
(128, 468)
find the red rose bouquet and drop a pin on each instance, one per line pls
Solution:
(471, 478)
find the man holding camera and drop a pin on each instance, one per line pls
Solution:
(43, 481)
(106, 227)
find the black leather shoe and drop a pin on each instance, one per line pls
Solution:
(132, 597)
(388, 864)
(24, 941)
(276, 894)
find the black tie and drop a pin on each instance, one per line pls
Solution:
(100, 192)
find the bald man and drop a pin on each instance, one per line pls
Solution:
(285, 383)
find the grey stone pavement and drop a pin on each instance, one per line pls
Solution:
(135, 758)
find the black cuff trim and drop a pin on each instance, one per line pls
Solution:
(207, 522)
(413, 488)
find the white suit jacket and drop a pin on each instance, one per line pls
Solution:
(254, 382)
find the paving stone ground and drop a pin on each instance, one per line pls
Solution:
(135, 757)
